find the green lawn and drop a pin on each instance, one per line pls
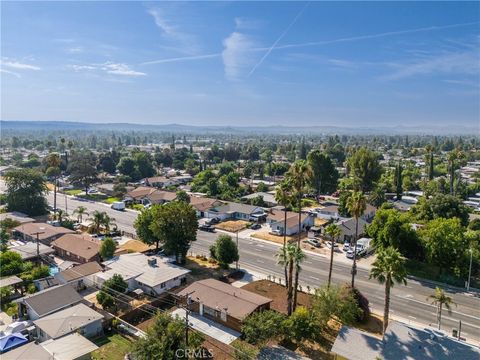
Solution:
(74, 192)
(112, 346)
(112, 199)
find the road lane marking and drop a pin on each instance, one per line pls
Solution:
(412, 317)
(260, 261)
(314, 278)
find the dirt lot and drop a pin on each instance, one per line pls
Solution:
(135, 246)
(264, 235)
(277, 293)
(232, 225)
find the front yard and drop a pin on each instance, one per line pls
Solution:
(112, 346)
(232, 225)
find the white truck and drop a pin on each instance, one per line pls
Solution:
(118, 205)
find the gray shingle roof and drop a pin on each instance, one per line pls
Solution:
(52, 299)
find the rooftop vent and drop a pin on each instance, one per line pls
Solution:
(152, 261)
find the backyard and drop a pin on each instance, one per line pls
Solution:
(112, 346)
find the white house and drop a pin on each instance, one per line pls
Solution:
(235, 211)
(152, 274)
(276, 220)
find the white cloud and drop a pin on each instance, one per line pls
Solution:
(120, 69)
(109, 68)
(14, 64)
(75, 50)
(466, 62)
(235, 55)
(183, 41)
(10, 73)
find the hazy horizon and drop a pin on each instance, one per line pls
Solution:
(343, 64)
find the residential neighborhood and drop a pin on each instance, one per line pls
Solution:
(239, 180)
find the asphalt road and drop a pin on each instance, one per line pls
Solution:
(408, 302)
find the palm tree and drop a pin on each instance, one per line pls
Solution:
(286, 257)
(53, 162)
(97, 220)
(440, 299)
(388, 268)
(356, 205)
(80, 211)
(299, 175)
(333, 232)
(283, 196)
(108, 222)
(298, 256)
(60, 215)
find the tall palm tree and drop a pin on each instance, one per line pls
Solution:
(53, 163)
(286, 257)
(283, 195)
(299, 176)
(389, 269)
(60, 215)
(333, 232)
(298, 256)
(356, 205)
(440, 299)
(80, 211)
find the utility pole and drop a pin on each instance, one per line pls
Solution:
(470, 270)
(236, 264)
(459, 329)
(38, 242)
(187, 312)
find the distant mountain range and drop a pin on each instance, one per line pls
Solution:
(6, 125)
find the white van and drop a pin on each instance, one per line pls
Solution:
(118, 205)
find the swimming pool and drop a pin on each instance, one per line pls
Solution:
(53, 270)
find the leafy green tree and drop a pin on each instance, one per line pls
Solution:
(107, 248)
(442, 206)
(392, 228)
(26, 191)
(474, 225)
(324, 174)
(4, 237)
(301, 325)
(445, 244)
(389, 269)
(262, 326)
(225, 250)
(440, 299)
(183, 196)
(164, 337)
(454, 157)
(116, 283)
(356, 205)
(333, 232)
(143, 227)
(364, 166)
(11, 263)
(176, 224)
(126, 166)
(144, 164)
(106, 300)
(333, 303)
(377, 196)
(83, 169)
(40, 272)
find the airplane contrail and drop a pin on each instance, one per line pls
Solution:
(269, 50)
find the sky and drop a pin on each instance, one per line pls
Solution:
(352, 64)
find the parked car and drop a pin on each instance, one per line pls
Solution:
(329, 245)
(346, 246)
(314, 242)
(256, 226)
(92, 191)
(208, 228)
(213, 221)
(349, 254)
(276, 232)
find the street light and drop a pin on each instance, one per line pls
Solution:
(470, 270)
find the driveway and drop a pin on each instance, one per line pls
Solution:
(209, 327)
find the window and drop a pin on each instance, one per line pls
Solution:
(162, 285)
(209, 311)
